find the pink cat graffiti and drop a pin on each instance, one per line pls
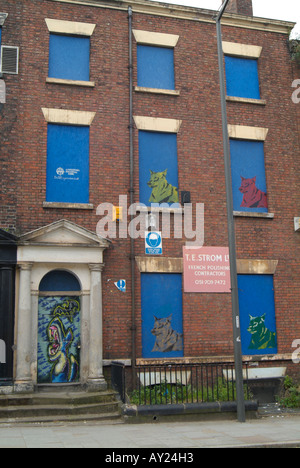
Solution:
(253, 197)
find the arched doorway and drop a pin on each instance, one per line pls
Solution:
(59, 329)
(58, 265)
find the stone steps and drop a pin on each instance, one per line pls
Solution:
(59, 407)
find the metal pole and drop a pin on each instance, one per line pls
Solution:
(231, 231)
(131, 190)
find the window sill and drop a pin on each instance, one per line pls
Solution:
(88, 84)
(168, 92)
(68, 206)
(248, 214)
(261, 102)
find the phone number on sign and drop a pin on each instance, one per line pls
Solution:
(210, 282)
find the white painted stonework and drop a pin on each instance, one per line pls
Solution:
(60, 246)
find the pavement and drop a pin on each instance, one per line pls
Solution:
(271, 430)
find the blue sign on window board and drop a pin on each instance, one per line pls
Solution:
(257, 314)
(162, 328)
(68, 164)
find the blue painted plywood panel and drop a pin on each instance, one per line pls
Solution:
(162, 329)
(68, 164)
(249, 187)
(257, 314)
(242, 77)
(158, 167)
(155, 67)
(69, 57)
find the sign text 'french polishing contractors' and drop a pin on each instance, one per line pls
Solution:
(206, 269)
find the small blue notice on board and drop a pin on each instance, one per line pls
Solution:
(153, 243)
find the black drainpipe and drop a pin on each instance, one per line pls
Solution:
(131, 190)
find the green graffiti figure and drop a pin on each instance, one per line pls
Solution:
(162, 191)
(261, 336)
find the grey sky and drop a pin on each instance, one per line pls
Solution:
(287, 10)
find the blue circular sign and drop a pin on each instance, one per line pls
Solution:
(153, 239)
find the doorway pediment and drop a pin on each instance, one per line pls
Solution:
(63, 233)
(62, 242)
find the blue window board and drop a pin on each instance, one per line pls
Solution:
(242, 77)
(67, 164)
(257, 314)
(248, 162)
(155, 67)
(69, 57)
(161, 296)
(157, 153)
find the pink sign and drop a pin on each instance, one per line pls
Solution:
(206, 269)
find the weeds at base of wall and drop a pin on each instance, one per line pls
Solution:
(290, 397)
(169, 394)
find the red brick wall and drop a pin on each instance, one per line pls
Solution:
(9, 122)
(207, 318)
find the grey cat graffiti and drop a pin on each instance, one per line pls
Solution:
(167, 339)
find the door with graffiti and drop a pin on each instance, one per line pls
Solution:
(58, 356)
(59, 339)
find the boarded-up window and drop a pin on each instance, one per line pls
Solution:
(155, 67)
(158, 165)
(257, 314)
(162, 328)
(68, 164)
(249, 186)
(242, 77)
(69, 57)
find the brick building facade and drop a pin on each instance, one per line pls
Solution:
(67, 137)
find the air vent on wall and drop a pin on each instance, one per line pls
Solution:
(9, 60)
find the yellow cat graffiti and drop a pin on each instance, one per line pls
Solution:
(162, 191)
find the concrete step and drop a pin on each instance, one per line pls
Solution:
(70, 406)
(55, 398)
(105, 418)
(44, 410)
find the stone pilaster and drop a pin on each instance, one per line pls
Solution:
(96, 379)
(23, 382)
